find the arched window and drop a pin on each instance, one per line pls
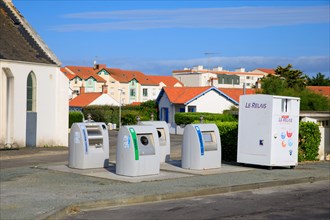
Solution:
(31, 88)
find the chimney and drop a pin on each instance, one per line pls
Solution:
(104, 89)
(99, 66)
(82, 89)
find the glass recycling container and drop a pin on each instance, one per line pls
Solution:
(201, 147)
(89, 145)
(137, 151)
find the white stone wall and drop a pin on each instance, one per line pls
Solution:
(51, 104)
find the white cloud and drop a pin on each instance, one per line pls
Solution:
(309, 65)
(216, 18)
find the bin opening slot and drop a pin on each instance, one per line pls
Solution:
(209, 140)
(161, 136)
(146, 144)
(95, 136)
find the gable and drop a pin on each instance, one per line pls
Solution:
(185, 95)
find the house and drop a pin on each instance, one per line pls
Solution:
(33, 90)
(218, 77)
(129, 86)
(83, 76)
(92, 98)
(191, 99)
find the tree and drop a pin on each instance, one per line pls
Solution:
(289, 82)
(294, 78)
(319, 80)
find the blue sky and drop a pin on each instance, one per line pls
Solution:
(157, 37)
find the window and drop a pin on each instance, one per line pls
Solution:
(132, 83)
(76, 80)
(132, 92)
(145, 92)
(191, 108)
(247, 77)
(90, 82)
(31, 93)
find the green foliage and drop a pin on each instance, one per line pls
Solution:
(273, 85)
(228, 134)
(294, 78)
(309, 141)
(319, 80)
(289, 82)
(110, 114)
(74, 117)
(193, 117)
(309, 100)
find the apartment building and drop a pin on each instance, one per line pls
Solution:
(218, 77)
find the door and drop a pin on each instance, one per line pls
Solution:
(31, 113)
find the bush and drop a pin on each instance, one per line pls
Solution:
(309, 141)
(110, 114)
(228, 134)
(194, 117)
(74, 117)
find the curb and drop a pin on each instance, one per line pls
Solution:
(85, 206)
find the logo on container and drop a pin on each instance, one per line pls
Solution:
(285, 119)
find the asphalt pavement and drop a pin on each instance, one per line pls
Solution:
(30, 190)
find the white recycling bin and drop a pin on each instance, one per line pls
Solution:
(201, 147)
(164, 138)
(268, 130)
(137, 151)
(89, 145)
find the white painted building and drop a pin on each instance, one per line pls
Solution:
(218, 77)
(33, 90)
(191, 99)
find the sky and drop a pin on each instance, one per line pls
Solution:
(157, 37)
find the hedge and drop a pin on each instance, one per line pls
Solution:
(110, 114)
(309, 141)
(229, 132)
(192, 117)
(74, 117)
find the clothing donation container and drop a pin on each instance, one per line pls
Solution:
(137, 151)
(268, 130)
(201, 147)
(163, 134)
(89, 145)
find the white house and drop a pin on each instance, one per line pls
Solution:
(92, 98)
(191, 99)
(33, 91)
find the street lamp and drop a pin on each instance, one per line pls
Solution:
(119, 120)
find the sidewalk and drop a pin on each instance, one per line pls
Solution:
(36, 192)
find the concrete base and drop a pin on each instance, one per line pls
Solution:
(170, 170)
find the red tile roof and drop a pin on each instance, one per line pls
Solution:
(169, 81)
(267, 70)
(323, 90)
(235, 93)
(67, 73)
(181, 95)
(84, 99)
(85, 73)
(125, 76)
